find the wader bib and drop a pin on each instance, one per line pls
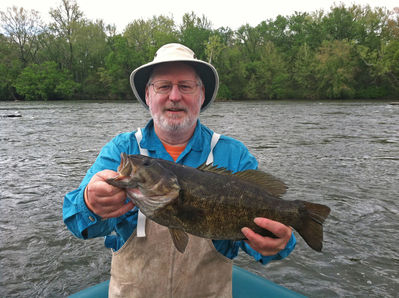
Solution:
(149, 265)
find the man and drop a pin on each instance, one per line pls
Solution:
(175, 87)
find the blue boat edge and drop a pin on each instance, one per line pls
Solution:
(245, 284)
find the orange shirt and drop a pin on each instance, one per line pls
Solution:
(174, 151)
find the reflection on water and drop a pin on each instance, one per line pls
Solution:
(342, 154)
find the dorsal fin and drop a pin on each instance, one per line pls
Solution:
(214, 169)
(268, 182)
(271, 184)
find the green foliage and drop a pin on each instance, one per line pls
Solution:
(268, 77)
(373, 92)
(273, 76)
(303, 73)
(391, 60)
(23, 28)
(145, 37)
(194, 33)
(213, 48)
(346, 52)
(334, 69)
(8, 73)
(10, 67)
(114, 76)
(93, 87)
(224, 91)
(90, 49)
(232, 72)
(45, 81)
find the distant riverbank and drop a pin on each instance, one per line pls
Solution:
(343, 53)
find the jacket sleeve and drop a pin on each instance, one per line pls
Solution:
(78, 218)
(266, 259)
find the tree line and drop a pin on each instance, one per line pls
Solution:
(346, 52)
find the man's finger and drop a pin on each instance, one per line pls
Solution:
(251, 235)
(106, 174)
(277, 228)
(119, 212)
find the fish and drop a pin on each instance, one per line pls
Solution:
(213, 202)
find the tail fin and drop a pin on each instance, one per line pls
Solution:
(312, 227)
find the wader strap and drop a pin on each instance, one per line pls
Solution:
(140, 230)
(215, 139)
(140, 225)
(139, 136)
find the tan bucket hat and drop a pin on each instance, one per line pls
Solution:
(175, 52)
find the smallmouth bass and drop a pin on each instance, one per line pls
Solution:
(213, 202)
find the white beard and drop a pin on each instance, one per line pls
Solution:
(171, 126)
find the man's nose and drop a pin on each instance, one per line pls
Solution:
(175, 93)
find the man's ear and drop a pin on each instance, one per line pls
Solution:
(203, 95)
(147, 96)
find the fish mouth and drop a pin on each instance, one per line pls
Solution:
(125, 168)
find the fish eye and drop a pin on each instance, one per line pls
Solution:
(146, 162)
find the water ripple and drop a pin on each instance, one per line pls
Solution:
(342, 154)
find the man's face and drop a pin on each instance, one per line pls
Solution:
(174, 111)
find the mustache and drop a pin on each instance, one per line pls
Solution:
(175, 107)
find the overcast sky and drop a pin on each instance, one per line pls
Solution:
(220, 13)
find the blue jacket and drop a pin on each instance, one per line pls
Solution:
(228, 153)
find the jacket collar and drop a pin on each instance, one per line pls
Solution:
(151, 141)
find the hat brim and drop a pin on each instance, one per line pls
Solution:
(208, 74)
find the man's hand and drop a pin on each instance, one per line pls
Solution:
(268, 246)
(106, 200)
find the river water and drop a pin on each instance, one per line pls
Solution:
(342, 154)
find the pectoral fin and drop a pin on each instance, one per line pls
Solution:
(180, 239)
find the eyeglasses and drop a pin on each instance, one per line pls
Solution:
(185, 87)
